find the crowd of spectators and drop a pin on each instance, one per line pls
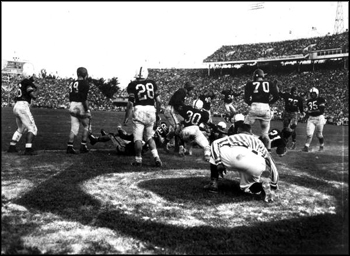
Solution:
(332, 80)
(278, 49)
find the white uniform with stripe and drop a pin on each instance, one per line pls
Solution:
(246, 154)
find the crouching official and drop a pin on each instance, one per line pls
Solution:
(245, 153)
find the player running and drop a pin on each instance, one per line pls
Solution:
(144, 104)
(25, 92)
(316, 120)
(293, 105)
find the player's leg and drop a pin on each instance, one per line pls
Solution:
(310, 128)
(28, 121)
(73, 132)
(17, 135)
(148, 137)
(319, 132)
(214, 177)
(203, 142)
(83, 146)
(265, 127)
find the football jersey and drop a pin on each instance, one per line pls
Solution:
(316, 106)
(24, 88)
(229, 95)
(142, 92)
(260, 91)
(292, 103)
(206, 101)
(193, 116)
(178, 98)
(78, 90)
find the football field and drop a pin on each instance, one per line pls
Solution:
(98, 203)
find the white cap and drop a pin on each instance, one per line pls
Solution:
(238, 117)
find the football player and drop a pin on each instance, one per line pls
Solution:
(293, 108)
(144, 104)
(316, 120)
(79, 110)
(124, 141)
(229, 95)
(171, 113)
(218, 131)
(207, 97)
(25, 93)
(257, 95)
(246, 154)
(279, 140)
(191, 133)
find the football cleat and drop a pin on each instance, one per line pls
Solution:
(83, 149)
(158, 162)
(70, 150)
(321, 148)
(305, 149)
(92, 139)
(12, 149)
(30, 152)
(212, 186)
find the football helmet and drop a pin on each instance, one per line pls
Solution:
(82, 72)
(27, 70)
(198, 104)
(188, 86)
(164, 127)
(258, 73)
(315, 90)
(238, 117)
(141, 73)
(221, 126)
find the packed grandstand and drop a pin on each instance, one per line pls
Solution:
(321, 62)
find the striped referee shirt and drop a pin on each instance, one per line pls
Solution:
(248, 141)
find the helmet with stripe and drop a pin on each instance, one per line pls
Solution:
(314, 90)
(198, 104)
(141, 73)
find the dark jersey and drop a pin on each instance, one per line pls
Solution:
(142, 92)
(292, 103)
(229, 95)
(260, 91)
(178, 98)
(193, 116)
(78, 90)
(206, 101)
(316, 106)
(24, 88)
(278, 138)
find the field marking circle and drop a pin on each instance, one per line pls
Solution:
(122, 192)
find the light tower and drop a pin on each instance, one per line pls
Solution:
(339, 22)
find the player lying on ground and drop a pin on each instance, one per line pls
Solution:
(124, 141)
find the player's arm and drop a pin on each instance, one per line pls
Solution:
(129, 107)
(236, 94)
(158, 107)
(300, 106)
(32, 92)
(275, 94)
(247, 95)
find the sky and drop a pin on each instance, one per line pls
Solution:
(112, 39)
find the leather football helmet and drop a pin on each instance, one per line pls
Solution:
(82, 72)
(198, 104)
(258, 73)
